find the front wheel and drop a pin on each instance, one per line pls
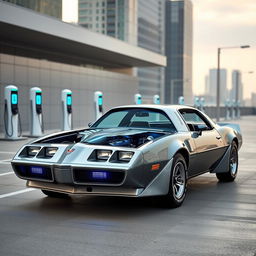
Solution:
(230, 175)
(178, 183)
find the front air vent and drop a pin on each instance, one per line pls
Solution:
(97, 176)
(33, 172)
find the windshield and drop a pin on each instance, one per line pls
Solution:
(136, 118)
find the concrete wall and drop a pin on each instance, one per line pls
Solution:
(52, 77)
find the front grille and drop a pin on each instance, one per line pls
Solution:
(34, 172)
(82, 175)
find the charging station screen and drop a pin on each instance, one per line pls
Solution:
(100, 100)
(38, 99)
(69, 100)
(139, 100)
(14, 98)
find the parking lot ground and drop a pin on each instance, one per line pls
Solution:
(215, 219)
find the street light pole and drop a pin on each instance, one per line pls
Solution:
(218, 78)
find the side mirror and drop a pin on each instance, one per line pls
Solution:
(196, 134)
(90, 124)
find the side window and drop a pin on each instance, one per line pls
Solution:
(194, 121)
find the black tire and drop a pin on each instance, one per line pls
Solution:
(230, 175)
(54, 194)
(177, 184)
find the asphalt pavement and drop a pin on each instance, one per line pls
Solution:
(215, 219)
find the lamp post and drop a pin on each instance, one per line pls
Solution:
(218, 77)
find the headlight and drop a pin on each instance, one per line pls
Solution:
(103, 154)
(49, 152)
(125, 156)
(32, 151)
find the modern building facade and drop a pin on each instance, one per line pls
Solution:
(151, 36)
(41, 51)
(50, 7)
(179, 43)
(110, 17)
(212, 87)
(138, 22)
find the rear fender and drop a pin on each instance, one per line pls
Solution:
(230, 134)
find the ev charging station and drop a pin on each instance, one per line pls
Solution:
(11, 113)
(66, 99)
(156, 99)
(36, 126)
(137, 99)
(196, 102)
(181, 100)
(202, 104)
(98, 99)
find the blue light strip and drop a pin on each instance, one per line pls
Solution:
(99, 175)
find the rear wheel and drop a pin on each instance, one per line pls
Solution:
(230, 175)
(178, 183)
(54, 194)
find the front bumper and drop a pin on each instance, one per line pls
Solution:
(135, 182)
(85, 190)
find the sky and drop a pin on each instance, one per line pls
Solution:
(217, 23)
(224, 23)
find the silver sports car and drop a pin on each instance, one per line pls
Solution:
(132, 151)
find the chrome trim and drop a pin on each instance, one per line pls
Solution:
(83, 190)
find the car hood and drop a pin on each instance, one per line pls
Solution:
(120, 137)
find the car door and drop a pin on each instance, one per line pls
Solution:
(209, 144)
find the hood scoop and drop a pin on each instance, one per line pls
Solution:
(132, 139)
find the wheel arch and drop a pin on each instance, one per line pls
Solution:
(236, 141)
(185, 154)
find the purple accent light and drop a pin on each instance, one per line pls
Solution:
(99, 175)
(36, 170)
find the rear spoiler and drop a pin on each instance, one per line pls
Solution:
(236, 127)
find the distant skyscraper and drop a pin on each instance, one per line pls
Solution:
(151, 36)
(213, 86)
(237, 86)
(116, 18)
(49, 7)
(179, 41)
(139, 22)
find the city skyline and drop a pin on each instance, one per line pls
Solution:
(217, 24)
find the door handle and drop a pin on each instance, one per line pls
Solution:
(218, 137)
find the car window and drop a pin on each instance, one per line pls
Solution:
(137, 118)
(113, 120)
(195, 121)
(149, 116)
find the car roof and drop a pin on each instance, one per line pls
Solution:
(157, 106)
